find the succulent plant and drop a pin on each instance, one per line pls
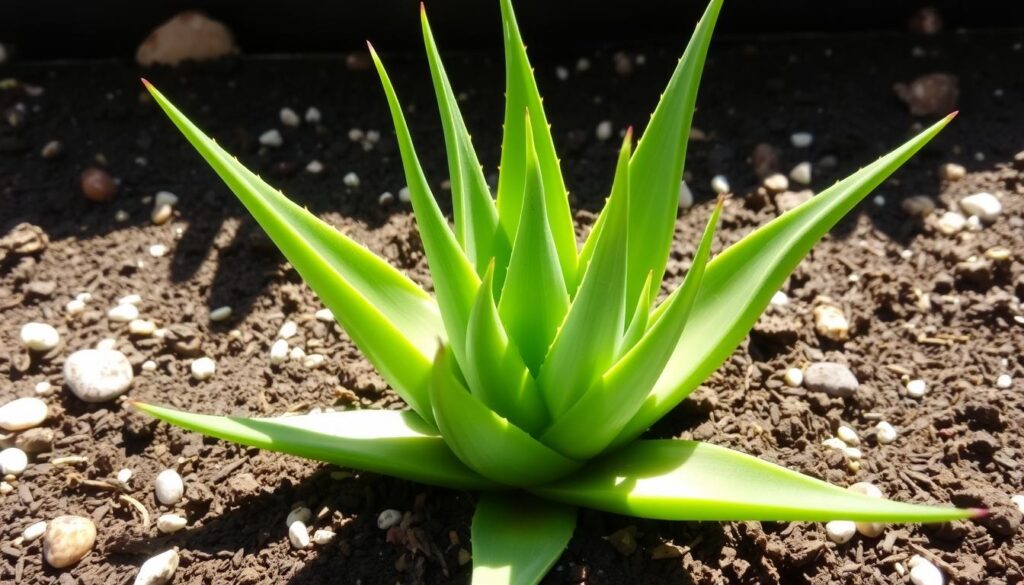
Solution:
(536, 366)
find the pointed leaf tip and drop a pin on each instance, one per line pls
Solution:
(150, 85)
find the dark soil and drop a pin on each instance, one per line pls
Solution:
(960, 443)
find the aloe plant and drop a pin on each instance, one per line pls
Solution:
(535, 367)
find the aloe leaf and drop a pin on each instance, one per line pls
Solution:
(486, 442)
(585, 345)
(638, 322)
(517, 538)
(494, 369)
(521, 94)
(455, 278)
(534, 299)
(391, 319)
(396, 443)
(476, 217)
(739, 282)
(689, 480)
(607, 407)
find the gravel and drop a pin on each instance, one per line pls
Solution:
(97, 375)
(39, 336)
(23, 413)
(168, 487)
(13, 461)
(388, 518)
(203, 368)
(67, 540)
(158, 569)
(831, 378)
(985, 206)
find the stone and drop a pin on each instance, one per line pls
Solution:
(141, 327)
(97, 185)
(13, 461)
(168, 487)
(788, 200)
(720, 184)
(840, 531)
(831, 378)
(220, 314)
(916, 388)
(953, 172)
(1004, 381)
(313, 115)
(868, 529)
(388, 518)
(278, 352)
(203, 368)
(924, 572)
(918, 206)
(159, 569)
(794, 377)
(97, 375)
(324, 315)
(848, 436)
(934, 94)
(123, 313)
(604, 130)
(170, 523)
(885, 433)
(23, 413)
(67, 540)
(188, 36)
(315, 167)
(685, 196)
(289, 117)
(39, 337)
(271, 138)
(323, 536)
(985, 206)
(950, 223)
(801, 139)
(801, 173)
(299, 514)
(35, 441)
(350, 180)
(33, 531)
(298, 534)
(830, 322)
(776, 183)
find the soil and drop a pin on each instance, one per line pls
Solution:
(960, 443)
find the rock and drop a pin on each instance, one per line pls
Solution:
(298, 534)
(831, 378)
(97, 375)
(794, 377)
(220, 314)
(868, 529)
(300, 514)
(930, 95)
(404, 195)
(950, 223)
(885, 433)
(831, 323)
(788, 200)
(170, 523)
(271, 138)
(848, 436)
(168, 487)
(23, 413)
(923, 572)
(1004, 381)
(203, 368)
(604, 130)
(13, 461)
(315, 167)
(840, 531)
(184, 340)
(313, 361)
(350, 180)
(720, 184)
(189, 35)
(289, 117)
(801, 139)
(986, 206)
(918, 206)
(39, 336)
(779, 299)
(776, 183)
(141, 327)
(385, 199)
(51, 150)
(953, 172)
(977, 272)
(278, 352)
(97, 185)
(312, 115)
(765, 160)
(388, 518)
(801, 173)
(916, 388)
(24, 239)
(42, 289)
(67, 540)
(35, 441)
(685, 196)
(158, 570)
(123, 313)
(324, 315)
(161, 214)
(323, 536)
(124, 476)
(33, 531)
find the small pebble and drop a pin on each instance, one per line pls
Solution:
(132, 299)
(313, 361)
(388, 518)
(67, 540)
(801, 139)
(780, 299)
(1004, 381)
(385, 199)
(161, 214)
(582, 64)
(918, 206)
(97, 375)
(33, 531)
(323, 536)
(44, 388)
(165, 198)
(848, 436)
(107, 343)
(168, 487)
(923, 572)
(951, 222)
(984, 205)
(141, 327)
(220, 314)
(123, 313)
(297, 353)
(351, 180)
(288, 330)
(23, 413)
(74, 307)
(289, 117)
(685, 196)
(830, 322)
(604, 130)
(300, 514)
(801, 173)
(831, 378)
(356, 134)
(278, 352)
(324, 315)
(776, 183)
(834, 443)
(404, 195)
(124, 476)
(868, 529)
(1018, 500)
(39, 336)
(719, 184)
(878, 200)
(97, 185)
(13, 461)
(794, 377)
(5, 488)
(840, 531)
(157, 250)
(885, 433)
(953, 172)
(298, 534)
(916, 388)
(315, 167)
(313, 115)
(203, 368)
(373, 136)
(52, 149)
(158, 570)
(271, 138)
(170, 523)
(852, 453)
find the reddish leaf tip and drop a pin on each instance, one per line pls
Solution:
(977, 513)
(146, 83)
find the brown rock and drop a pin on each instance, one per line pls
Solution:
(67, 540)
(23, 240)
(928, 95)
(35, 441)
(765, 160)
(189, 35)
(97, 185)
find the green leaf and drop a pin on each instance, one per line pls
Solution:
(638, 322)
(485, 441)
(494, 369)
(391, 319)
(607, 407)
(740, 282)
(476, 217)
(396, 443)
(534, 300)
(517, 538)
(455, 279)
(521, 94)
(586, 343)
(688, 480)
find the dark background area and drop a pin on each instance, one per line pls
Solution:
(57, 29)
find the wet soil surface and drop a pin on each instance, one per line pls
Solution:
(921, 304)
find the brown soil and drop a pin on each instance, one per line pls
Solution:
(960, 443)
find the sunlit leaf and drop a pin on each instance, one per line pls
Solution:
(517, 538)
(637, 323)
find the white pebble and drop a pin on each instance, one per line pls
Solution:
(203, 368)
(67, 540)
(1018, 500)
(289, 117)
(351, 180)
(776, 183)
(852, 453)
(300, 514)
(834, 443)
(123, 313)
(148, 366)
(685, 196)
(885, 433)
(132, 299)
(315, 167)
(385, 199)
(157, 250)
(159, 569)
(561, 73)
(388, 518)
(165, 198)
(1004, 381)
(33, 531)
(879, 200)
(141, 327)
(313, 361)
(974, 224)
(220, 314)
(840, 531)
(271, 138)
(719, 184)
(916, 388)
(830, 322)
(297, 353)
(288, 330)
(780, 299)
(107, 343)
(124, 476)
(298, 534)
(582, 64)
(868, 529)
(74, 307)
(985, 205)
(39, 336)
(44, 388)
(13, 461)
(951, 222)
(404, 195)
(97, 375)
(356, 134)
(170, 523)
(323, 536)
(324, 315)
(604, 130)
(313, 115)
(794, 377)
(169, 487)
(801, 139)
(923, 572)
(23, 413)
(278, 352)
(801, 173)
(848, 436)
(373, 136)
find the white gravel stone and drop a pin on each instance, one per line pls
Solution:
(685, 196)
(300, 514)
(953, 172)
(840, 531)
(834, 443)
(220, 314)
(323, 536)
(404, 195)
(878, 200)
(885, 433)
(356, 134)
(39, 336)
(794, 377)
(801, 139)
(868, 529)
(158, 570)
(351, 180)
(604, 130)
(951, 222)
(160, 214)
(33, 531)
(801, 173)
(315, 167)
(1018, 500)
(562, 73)
(203, 368)
(373, 136)
(830, 322)
(852, 453)
(385, 199)
(776, 183)
(97, 375)
(582, 64)
(1004, 381)
(986, 206)
(298, 534)
(13, 461)
(23, 413)
(924, 572)
(313, 361)
(848, 436)
(132, 299)
(313, 115)
(148, 366)
(44, 388)
(296, 353)
(170, 523)
(5, 488)
(388, 518)
(107, 343)
(324, 315)
(67, 540)
(157, 250)
(74, 307)
(780, 299)
(288, 330)
(917, 388)
(271, 138)
(279, 352)
(720, 184)
(141, 327)
(289, 117)
(168, 487)
(124, 476)
(123, 313)
(165, 198)
(831, 378)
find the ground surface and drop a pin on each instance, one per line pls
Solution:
(960, 443)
